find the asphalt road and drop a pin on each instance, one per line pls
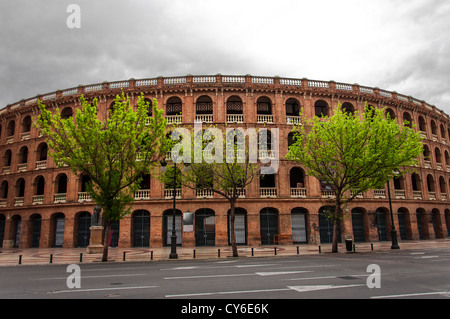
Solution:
(394, 275)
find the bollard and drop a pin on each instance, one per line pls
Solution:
(218, 252)
(371, 247)
(320, 250)
(51, 258)
(354, 247)
(275, 250)
(124, 254)
(151, 255)
(298, 250)
(81, 257)
(20, 259)
(194, 253)
(252, 252)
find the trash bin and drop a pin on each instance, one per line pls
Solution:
(349, 244)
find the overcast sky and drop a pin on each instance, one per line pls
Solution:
(398, 45)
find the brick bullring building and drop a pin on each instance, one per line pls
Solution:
(45, 206)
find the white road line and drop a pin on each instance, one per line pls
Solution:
(100, 289)
(209, 276)
(320, 287)
(85, 277)
(326, 277)
(413, 295)
(238, 275)
(226, 292)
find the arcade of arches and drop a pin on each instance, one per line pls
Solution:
(253, 226)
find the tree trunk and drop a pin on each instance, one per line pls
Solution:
(233, 234)
(106, 240)
(336, 218)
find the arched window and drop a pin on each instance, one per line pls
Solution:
(174, 106)
(348, 108)
(292, 107)
(26, 124)
(422, 124)
(321, 108)
(407, 119)
(264, 106)
(67, 112)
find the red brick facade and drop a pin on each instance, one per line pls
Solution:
(45, 206)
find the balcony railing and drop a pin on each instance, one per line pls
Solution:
(439, 166)
(294, 120)
(6, 169)
(268, 192)
(264, 118)
(174, 119)
(10, 139)
(41, 164)
(25, 136)
(168, 193)
(22, 167)
(18, 201)
(399, 193)
(142, 194)
(379, 193)
(235, 118)
(38, 199)
(443, 196)
(3, 202)
(204, 193)
(240, 192)
(417, 194)
(328, 194)
(204, 118)
(60, 198)
(84, 197)
(432, 195)
(298, 192)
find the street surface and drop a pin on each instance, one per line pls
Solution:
(401, 274)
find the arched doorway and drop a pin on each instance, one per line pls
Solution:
(84, 233)
(205, 227)
(59, 222)
(381, 217)
(240, 226)
(298, 222)
(2, 229)
(15, 227)
(168, 216)
(36, 221)
(326, 225)
(141, 228)
(403, 217)
(422, 223)
(268, 225)
(358, 225)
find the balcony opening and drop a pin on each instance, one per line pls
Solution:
(321, 108)
(10, 129)
(422, 124)
(390, 114)
(204, 109)
(235, 110)
(26, 124)
(348, 108)
(67, 113)
(407, 120)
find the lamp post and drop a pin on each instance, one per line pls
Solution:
(173, 244)
(393, 230)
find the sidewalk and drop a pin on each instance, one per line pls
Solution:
(35, 256)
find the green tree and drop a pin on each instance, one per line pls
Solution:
(224, 174)
(352, 153)
(114, 153)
